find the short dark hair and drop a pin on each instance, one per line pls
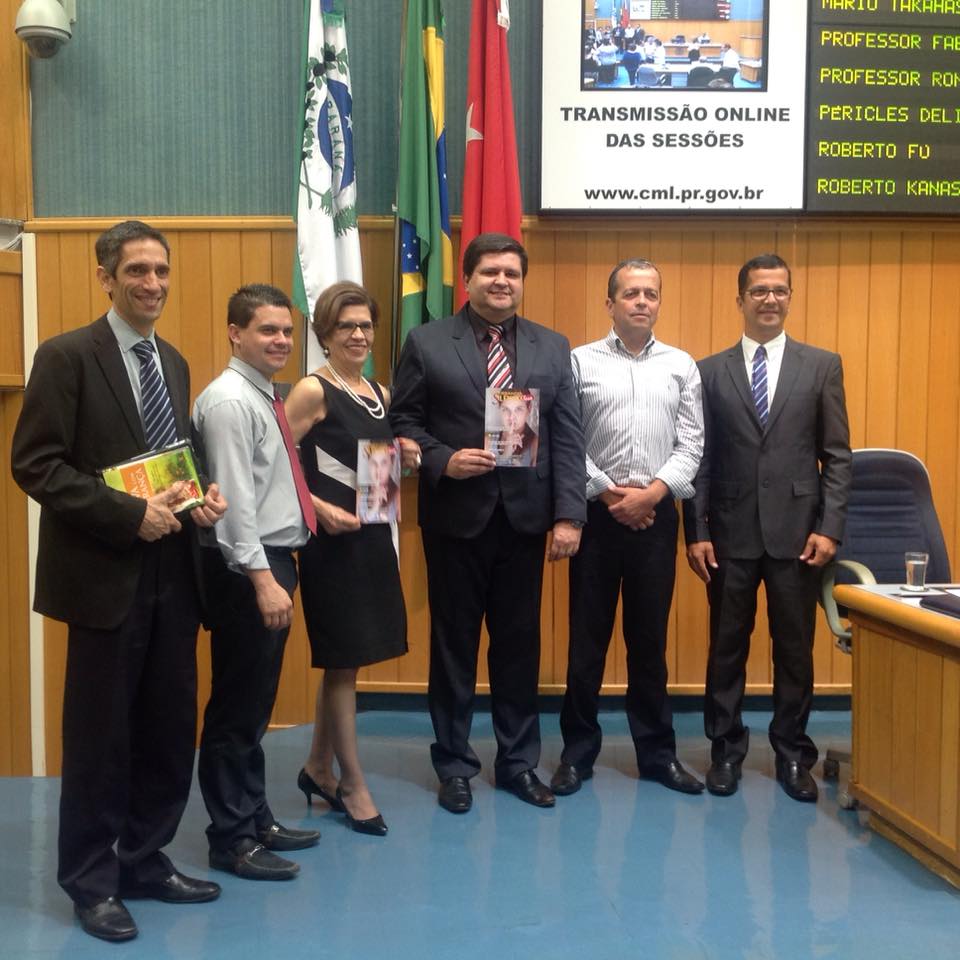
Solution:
(330, 305)
(485, 243)
(764, 261)
(245, 302)
(636, 263)
(109, 245)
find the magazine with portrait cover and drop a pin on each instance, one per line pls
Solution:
(511, 426)
(378, 481)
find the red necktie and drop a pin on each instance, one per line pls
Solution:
(299, 481)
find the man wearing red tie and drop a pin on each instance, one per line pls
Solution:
(251, 577)
(484, 527)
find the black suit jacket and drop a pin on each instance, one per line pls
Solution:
(79, 415)
(439, 402)
(766, 490)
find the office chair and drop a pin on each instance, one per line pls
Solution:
(646, 77)
(700, 76)
(890, 511)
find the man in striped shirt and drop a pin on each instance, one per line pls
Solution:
(643, 424)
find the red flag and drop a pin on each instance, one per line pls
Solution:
(491, 178)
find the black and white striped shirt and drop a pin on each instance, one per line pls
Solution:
(642, 415)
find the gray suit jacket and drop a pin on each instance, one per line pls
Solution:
(767, 489)
(79, 416)
(439, 402)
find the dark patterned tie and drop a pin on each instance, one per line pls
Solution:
(499, 375)
(159, 425)
(299, 480)
(759, 384)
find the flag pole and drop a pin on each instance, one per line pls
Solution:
(396, 287)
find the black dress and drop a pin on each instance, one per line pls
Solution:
(349, 583)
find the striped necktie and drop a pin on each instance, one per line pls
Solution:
(759, 384)
(159, 425)
(499, 375)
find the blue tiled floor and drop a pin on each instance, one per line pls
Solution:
(624, 869)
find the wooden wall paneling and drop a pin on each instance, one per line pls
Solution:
(853, 332)
(15, 725)
(78, 275)
(688, 306)
(884, 339)
(724, 324)
(15, 171)
(942, 424)
(11, 328)
(913, 359)
(819, 289)
(852, 295)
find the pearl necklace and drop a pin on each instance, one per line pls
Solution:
(374, 407)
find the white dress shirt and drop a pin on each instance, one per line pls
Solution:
(642, 415)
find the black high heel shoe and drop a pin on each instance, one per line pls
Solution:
(309, 786)
(374, 826)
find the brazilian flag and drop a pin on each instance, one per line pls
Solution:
(426, 255)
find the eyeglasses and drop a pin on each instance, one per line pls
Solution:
(761, 293)
(348, 326)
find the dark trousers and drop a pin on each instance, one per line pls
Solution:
(498, 574)
(246, 658)
(639, 565)
(129, 722)
(791, 606)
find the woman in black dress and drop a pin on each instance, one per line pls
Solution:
(349, 575)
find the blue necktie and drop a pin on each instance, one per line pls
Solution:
(159, 425)
(759, 384)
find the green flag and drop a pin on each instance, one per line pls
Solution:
(426, 255)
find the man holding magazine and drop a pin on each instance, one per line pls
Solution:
(119, 570)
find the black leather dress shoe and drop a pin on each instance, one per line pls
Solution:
(529, 788)
(177, 888)
(796, 781)
(372, 826)
(455, 795)
(253, 861)
(672, 775)
(279, 837)
(107, 919)
(722, 778)
(568, 779)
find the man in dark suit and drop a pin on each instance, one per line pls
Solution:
(484, 527)
(769, 506)
(119, 570)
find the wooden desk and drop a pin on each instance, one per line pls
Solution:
(750, 70)
(906, 724)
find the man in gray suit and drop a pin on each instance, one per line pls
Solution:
(770, 505)
(484, 527)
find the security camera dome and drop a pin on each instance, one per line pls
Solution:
(43, 26)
